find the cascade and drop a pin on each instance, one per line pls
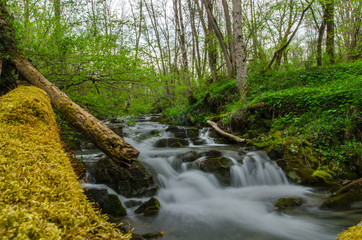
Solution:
(196, 205)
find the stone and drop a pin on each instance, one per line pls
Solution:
(219, 166)
(108, 203)
(211, 153)
(288, 203)
(171, 142)
(128, 182)
(188, 156)
(132, 203)
(345, 197)
(149, 208)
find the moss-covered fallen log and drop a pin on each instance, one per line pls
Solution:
(40, 197)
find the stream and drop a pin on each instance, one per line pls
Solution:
(196, 206)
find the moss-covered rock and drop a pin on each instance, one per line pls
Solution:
(288, 203)
(353, 233)
(171, 142)
(219, 166)
(108, 203)
(129, 182)
(346, 196)
(149, 208)
(296, 157)
(40, 195)
(189, 156)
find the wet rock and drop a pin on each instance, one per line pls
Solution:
(198, 141)
(192, 132)
(324, 177)
(152, 133)
(220, 166)
(129, 182)
(132, 203)
(346, 197)
(149, 208)
(188, 156)
(288, 203)
(155, 235)
(171, 142)
(211, 153)
(108, 203)
(118, 130)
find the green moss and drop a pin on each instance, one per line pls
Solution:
(323, 176)
(287, 203)
(353, 233)
(40, 195)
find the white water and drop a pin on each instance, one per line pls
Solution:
(195, 206)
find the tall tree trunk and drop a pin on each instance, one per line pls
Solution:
(320, 42)
(110, 143)
(220, 38)
(195, 40)
(229, 33)
(329, 18)
(240, 56)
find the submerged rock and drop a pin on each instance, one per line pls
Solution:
(219, 166)
(108, 203)
(288, 203)
(149, 208)
(171, 142)
(346, 197)
(189, 156)
(129, 182)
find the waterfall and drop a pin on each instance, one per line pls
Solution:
(196, 206)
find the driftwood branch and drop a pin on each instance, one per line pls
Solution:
(225, 134)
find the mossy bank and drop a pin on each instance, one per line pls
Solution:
(40, 197)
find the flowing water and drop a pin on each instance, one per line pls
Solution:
(196, 206)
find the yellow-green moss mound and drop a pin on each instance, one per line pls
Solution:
(40, 197)
(353, 233)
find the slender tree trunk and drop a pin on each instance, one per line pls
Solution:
(329, 18)
(240, 56)
(278, 53)
(220, 38)
(320, 42)
(110, 143)
(229, 33)
(195, 40)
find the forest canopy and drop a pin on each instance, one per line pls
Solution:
(132, 56)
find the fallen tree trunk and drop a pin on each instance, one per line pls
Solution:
(225, 134)
(110, 143)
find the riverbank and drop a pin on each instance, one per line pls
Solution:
(313, 114)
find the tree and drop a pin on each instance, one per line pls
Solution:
(240, 56)
(329, 20)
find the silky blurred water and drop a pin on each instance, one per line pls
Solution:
(196, 206)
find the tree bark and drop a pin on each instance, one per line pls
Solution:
(225, 134)
(329, 19)
(240, 56)
(110, 143)
(229, 34)
(220, 38)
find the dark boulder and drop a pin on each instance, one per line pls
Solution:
(129, 182)
(149, 208)
(171, 142)
(288, 203)
(108, 203)
(219, 166)
(188, 156)
(346, 197)
(211, 153)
